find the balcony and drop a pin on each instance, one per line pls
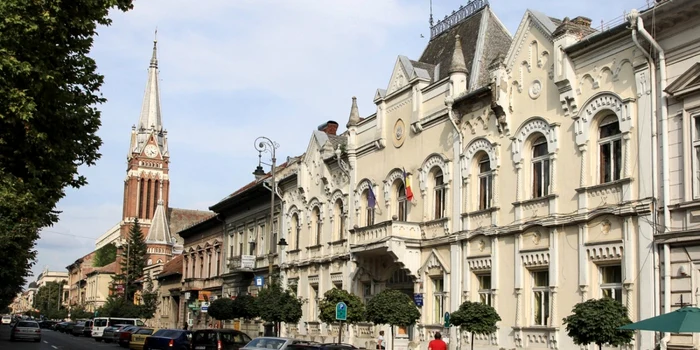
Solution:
(250, 263)
(202, 283)
(385, 230)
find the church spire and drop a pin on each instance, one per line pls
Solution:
(160, 230)
(150, 110)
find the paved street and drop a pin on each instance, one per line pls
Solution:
(51, 340)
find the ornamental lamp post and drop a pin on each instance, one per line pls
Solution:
(264, 144)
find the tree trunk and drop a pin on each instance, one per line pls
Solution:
(600, 346)
(472, 344)
(392, 337)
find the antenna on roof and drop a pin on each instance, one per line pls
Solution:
(431, 13)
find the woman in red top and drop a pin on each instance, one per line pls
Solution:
(437, 343)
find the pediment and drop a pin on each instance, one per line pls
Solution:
(686, 83)
(434, 261)
(401, 76)
(531, 20)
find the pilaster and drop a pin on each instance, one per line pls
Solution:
(582, 260)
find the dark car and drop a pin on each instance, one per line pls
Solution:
(219, 339)
(47, 324)
(168, 339)
(125, 335)
(87, 329)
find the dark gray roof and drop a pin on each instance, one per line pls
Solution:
(496, 41)
(336, 140)
(427, 66)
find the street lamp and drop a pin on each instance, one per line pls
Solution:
(264, 144)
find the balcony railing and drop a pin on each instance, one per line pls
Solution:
(369, 234)
(202, 283)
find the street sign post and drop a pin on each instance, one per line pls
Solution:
(341, 314)
(259, 281)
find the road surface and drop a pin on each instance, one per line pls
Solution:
(52, 340)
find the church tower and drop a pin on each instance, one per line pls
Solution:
(147, 184)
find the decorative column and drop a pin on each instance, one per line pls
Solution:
(582, 196)
(554, 273)
(582, 261)
(495, 273)
(466, 271)
(518, 281)
(518, 210)
(137, 209)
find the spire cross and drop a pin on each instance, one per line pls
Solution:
(155, 35)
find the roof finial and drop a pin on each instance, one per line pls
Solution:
(354, 114)
(154, 57)
(160, 195)
(458, 65)
(431, 14)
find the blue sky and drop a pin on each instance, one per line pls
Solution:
(232, 70)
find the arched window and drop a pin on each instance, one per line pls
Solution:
(369, 202)
(485, 182)
(610, 146)
(295, 230)
(339, 219)
(439, 189)
(540, 168)
(316, 222)
(401, 202)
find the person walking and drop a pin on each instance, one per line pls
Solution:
(437, 343)
(380, 341)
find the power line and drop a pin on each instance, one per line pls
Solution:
(69, 234)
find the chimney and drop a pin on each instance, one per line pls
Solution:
(330, 127)
(582, 21)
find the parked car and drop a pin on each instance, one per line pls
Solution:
(111, 333)
(163, 339)
(139, 337)
(219, 339)
(277, 343)
(78, 328)
(7, 319)
(125, 335)
(47, 324)
(26, 330)
(87, 329)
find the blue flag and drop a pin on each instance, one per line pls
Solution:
(371, 199)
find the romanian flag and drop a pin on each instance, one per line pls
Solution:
(371, 199)
(407, 183)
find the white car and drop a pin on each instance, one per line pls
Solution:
(6, 319)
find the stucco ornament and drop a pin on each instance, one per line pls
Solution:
(482, 245)
(395, 174)
(535, 125)
(535, 89)
(536, 238)
(606, 101)
(478, 145)
(605, 227)
(435, 160)
(399, 133)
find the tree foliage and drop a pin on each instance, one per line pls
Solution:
(355, 306)
(394, 308)
(133, 261)
(475, 318)
(80, 313)
(105, 255)
(48, 297)
(276, 305)
(116, 306)
(597, 321)
(244, 307)
(49, 92)
(221, 309)
(149, 300)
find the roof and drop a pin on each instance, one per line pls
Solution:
(483, 38)
(172, 267)
(109, 269)
(179, 219)
(159, 232)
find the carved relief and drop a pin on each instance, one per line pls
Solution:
(535, 89)
(534, 125)
(478, 145)
(400, 133)
(433, 161)
(361, 188)
(606, 101)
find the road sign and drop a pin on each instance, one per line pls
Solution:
(418, 299)
(205, 307)
(259, 281)
(341, 311)
(447, 319)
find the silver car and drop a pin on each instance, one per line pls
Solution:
(274, 343)
(28, 330)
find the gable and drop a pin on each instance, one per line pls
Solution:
(686, 83)
(532, 20)
(433, 263)
(401, 75)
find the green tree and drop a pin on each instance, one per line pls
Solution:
(49, 93)
(356, 309)
(48, 298)
(116, 306)
(133, 261)
(244, 307)
(475, 318)
(276, 305)
(394, 308)
(105, 255)
(597, 321)
(221, 309)
(79, 313)
(149, 300)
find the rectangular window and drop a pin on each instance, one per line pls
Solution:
(403, 209)
(209, 265)
(610, 146)
(485, 292)
(370, 217)
(611, 282)
(366, 291)
(252, 248)
(485, 184)
(231, 245)
(240, 243)
(540, 178)
(261, 237)
(273, 237)
(540, 298)
(438, 300)
(319, 229)
(696, 157)
(439, 196)
(316, 299)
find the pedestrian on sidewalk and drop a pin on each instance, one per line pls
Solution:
(380, 341)
(437, 343)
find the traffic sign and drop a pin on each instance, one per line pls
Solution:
(341, 311)
(205, 307)
(259, 281)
